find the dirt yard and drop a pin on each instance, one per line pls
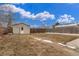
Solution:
(25, 45)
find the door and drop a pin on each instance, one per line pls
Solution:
(22, 30)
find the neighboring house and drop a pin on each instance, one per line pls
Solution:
(69, 28)
(21, 28)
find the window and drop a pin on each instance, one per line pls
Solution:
(21, 28)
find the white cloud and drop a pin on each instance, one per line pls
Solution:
(40, 16)
(66, 19)
(13, 9)
(44, 16)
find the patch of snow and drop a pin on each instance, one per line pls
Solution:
(71, 47)
(67, 46)
(61, 44)
(48, 41)
(38, 39)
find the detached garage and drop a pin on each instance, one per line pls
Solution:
(21, 28)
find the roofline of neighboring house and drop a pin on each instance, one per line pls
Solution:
(67, 25)
(20, 23)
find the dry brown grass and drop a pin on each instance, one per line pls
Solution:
(57, 37)
(24, 45)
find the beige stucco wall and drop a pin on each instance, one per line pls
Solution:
(17, 29)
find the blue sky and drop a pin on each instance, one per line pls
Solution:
(38, 14)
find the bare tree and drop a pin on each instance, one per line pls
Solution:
(9, 25)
